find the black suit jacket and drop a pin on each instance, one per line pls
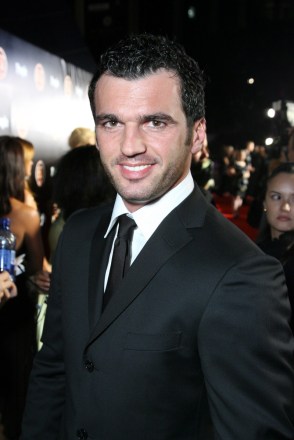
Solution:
(196, 343)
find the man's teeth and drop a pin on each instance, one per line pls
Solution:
(136, 168)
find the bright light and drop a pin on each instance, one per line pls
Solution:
(250, 81)
(268, 141)
(271, 113)
(191, 12)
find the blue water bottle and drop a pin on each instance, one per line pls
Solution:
(7, 247)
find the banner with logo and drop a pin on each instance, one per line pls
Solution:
(42, 97)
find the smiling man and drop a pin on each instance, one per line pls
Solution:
(164, 320)
(139, 142)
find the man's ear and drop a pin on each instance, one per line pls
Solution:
(199, 136)
(97, 146)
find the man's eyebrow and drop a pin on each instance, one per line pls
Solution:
(157, 116)
(105, 116)
(144, 118)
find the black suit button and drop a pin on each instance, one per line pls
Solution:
(89, 366)
(82, 434)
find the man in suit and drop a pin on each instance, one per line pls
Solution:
(195, 342)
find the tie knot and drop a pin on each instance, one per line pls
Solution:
(126, 226)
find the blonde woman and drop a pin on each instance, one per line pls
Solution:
(81, 136)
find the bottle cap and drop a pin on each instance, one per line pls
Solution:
(5, 222)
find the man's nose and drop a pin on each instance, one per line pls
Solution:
(132, 142)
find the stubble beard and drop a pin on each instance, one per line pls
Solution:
(135, 193)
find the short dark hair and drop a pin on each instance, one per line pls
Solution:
(140, 55)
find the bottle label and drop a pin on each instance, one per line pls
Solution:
(7, 261)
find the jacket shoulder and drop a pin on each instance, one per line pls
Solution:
(87, 220)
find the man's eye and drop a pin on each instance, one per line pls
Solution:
(156, 123)
(109, 124)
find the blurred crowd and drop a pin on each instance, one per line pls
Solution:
(240, 173)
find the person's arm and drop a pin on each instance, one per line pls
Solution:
(33, 242)
(247, 353)
(41, 280)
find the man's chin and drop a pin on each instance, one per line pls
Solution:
(135, 200)
(139, 200)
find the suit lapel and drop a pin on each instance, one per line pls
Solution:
(99, 254)
(171, 235)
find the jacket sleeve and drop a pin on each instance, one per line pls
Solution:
(247, 353)
(45, 398)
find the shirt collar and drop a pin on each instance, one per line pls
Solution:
(151, 215)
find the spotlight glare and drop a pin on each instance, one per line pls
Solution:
(191, 12)
(269, 141)
(250, 81)
(271, 113)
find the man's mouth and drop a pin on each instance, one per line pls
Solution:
(136, 167)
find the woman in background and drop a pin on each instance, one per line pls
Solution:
(276, 237)
(30, 200)
(17, 316)
(29, 153)
(81, 136)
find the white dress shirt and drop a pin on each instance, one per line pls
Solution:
(149, 217)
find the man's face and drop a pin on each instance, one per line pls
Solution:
(142, 135)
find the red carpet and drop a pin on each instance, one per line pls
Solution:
(224, 205)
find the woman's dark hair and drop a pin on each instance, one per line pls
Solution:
(285, 167)
(80, 181)
(12, 172)
(140, 55)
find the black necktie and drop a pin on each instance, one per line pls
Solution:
(121, 258)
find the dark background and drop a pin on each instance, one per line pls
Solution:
(232, 40)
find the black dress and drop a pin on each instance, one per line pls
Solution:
(283, 249)
(17, 348)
